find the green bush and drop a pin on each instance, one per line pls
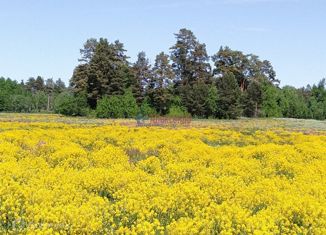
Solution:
(110, 107)
(68, 104)
(129, 104)
(178, 111)
(19, 103)
(146, 110)
(118, 106)
(39, 101)
(270, 106)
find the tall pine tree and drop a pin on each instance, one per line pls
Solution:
(229, 97)
(160, 85)
(192, 69)
(142, 77)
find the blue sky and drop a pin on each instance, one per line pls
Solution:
(43, 37)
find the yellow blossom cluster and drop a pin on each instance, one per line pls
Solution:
(65, 177)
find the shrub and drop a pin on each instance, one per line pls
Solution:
(178, 111)
(146, 110)
(109, 107)
(129, 105)
(117, 106)
(68, 104)
(19, 103)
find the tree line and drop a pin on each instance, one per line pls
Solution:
(36, 95)
(184, 82)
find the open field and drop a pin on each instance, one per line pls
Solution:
(93, 176)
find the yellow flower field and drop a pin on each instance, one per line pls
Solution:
(60, 176)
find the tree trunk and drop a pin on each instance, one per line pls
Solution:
(256, 109)
(242, 85)
(48, 106)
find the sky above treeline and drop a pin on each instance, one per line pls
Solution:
(43, 37)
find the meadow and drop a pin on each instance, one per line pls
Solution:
(63, 175)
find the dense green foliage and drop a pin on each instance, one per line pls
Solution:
(188, 81)
(229, 100)
(68, 104)
(36, 95)
(118, 106)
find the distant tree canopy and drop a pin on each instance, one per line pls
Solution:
(187, 81)
(245, 68)
(35, 95)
